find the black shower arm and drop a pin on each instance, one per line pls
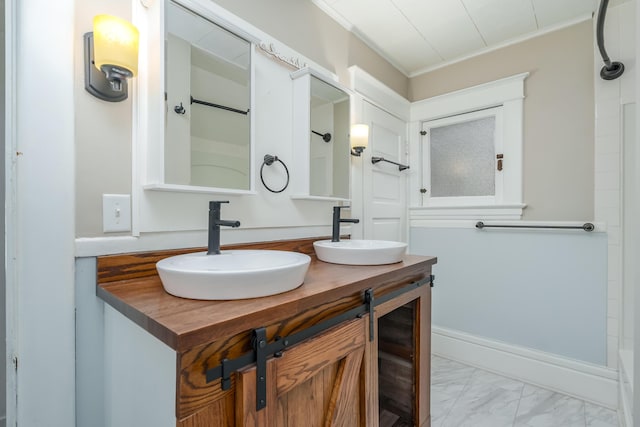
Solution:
(611, 70)
(602, 13)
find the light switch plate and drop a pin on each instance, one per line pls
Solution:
(116, 213)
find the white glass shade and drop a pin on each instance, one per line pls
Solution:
(115, 43)
(359, 136)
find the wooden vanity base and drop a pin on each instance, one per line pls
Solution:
(338, 377)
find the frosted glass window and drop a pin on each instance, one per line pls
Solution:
(463, 159)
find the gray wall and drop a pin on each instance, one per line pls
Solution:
(544, 290)
(103, 131)
(558, 115)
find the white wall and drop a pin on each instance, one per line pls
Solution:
(3, 320)
(610, 96)
(629, 225)
(40, 213)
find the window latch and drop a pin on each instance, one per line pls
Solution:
(499, 157)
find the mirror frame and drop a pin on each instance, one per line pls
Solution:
(150, 121)
(302, 133)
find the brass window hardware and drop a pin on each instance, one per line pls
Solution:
(499, 157)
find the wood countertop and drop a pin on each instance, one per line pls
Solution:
(185, 323)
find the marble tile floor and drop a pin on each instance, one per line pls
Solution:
(464, 396)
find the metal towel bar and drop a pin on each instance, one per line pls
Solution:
(222, 107)
(401, 167)
(587, 226)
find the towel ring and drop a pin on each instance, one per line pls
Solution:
(269, 160)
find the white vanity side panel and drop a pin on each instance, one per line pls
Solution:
(140, 376)
(90, 353)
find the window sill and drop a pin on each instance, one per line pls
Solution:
(477, 212)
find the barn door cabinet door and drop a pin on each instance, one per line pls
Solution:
(339, 377)
(320, 382)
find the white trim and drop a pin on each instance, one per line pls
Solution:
(151, 80)
(508, 93)
(43, 178)
(636, 297)
(330, 79)
(97, 246)
(511, 42)
(593, 383)
(625, 377)
(342, 21)
(497, 146)
(471, 98)
(477, 212)
(179, 188)
(379, 94)
(302, 84)
(320, 198)
(10, 213)
(333, 14)
(148, 131)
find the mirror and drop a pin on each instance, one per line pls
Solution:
(328, 140)
(207, 103)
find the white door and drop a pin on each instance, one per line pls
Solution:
(384, 186)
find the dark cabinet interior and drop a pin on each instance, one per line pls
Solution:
(396, 367)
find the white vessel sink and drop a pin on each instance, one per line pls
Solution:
(360, 252)
(235, 274)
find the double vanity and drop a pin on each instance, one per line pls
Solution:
(349, 347)
(273, 333)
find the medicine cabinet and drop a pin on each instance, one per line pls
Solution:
(321, 121)
(208, 74)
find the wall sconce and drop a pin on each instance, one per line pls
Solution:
(358, 139)
(111, 57)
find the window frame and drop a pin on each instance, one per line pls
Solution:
(506, 94)
(425, 147)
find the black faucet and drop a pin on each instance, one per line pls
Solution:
(214, 226)
(335, 235)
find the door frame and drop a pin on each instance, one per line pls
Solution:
(9, 213)
(40, 301)
(369, 169)
(368, 88)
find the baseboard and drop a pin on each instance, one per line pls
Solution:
(593, 383)
(625, 410)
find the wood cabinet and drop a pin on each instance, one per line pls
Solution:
(361, 371)
(319, 382)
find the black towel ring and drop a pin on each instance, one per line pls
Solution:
(268, 160)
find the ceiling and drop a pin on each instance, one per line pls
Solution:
(419, 35)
